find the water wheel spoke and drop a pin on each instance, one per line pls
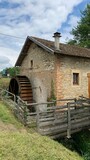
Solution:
(20, 85)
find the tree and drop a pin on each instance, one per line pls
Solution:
(13, 71)
(82, 32)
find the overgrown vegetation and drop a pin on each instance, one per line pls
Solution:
(79, 142)
(82, 140)
(52, 96)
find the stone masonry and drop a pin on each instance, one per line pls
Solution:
(66, 66)
(48, 67)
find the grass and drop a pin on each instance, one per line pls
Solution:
(29, 146)
(4, 82)
(33, 147)
(7, 117)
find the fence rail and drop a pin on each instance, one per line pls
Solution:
(54, 121)
(64, 121)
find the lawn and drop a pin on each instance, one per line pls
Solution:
(28, 146)
(22, 144)
(6, 115)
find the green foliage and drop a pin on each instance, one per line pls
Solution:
(13, 71)
(72, 42)
(82, 32)
(52, 96)
(82, 141)
(52, 91)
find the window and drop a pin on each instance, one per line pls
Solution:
(75, 78)
(31, 63)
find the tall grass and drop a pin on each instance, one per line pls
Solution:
(4, 82)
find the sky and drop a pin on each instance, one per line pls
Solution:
(39, 18)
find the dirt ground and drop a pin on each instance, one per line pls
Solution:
(10, 128)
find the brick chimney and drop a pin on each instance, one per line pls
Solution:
(57, 36)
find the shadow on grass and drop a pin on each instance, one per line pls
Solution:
(80, 142)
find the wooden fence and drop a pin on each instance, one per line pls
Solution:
(54, 121)
(64, 120)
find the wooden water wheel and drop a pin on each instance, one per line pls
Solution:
(21, 86)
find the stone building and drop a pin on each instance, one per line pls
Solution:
(55, 70)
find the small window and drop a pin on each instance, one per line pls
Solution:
(31, 63)
(75, 78)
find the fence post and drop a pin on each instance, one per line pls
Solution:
(69, 122)
(25, 115)
(14, 98)
(0, 93)
(75, 100)
(37, 110)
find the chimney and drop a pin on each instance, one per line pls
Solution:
(57, 36)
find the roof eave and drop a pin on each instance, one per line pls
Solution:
(41, 45)
(17, 62)
(36, 42)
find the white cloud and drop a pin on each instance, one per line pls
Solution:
(33, 17)
(8, 56)
(4, 62)
(43, 16)
(72, 23)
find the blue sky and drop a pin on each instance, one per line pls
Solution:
(40, 18)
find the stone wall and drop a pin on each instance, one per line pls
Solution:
(66, 66)
(39, 67)
(44, 69)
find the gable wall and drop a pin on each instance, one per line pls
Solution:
(66, 66)
(42, 74)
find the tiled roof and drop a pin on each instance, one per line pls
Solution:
(65, 49)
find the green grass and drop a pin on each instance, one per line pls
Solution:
(4, 82)
(7, 117)
(33, 147)
(29, 145)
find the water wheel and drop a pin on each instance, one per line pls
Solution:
(21, 86)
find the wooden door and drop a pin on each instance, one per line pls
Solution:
(88, 75)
